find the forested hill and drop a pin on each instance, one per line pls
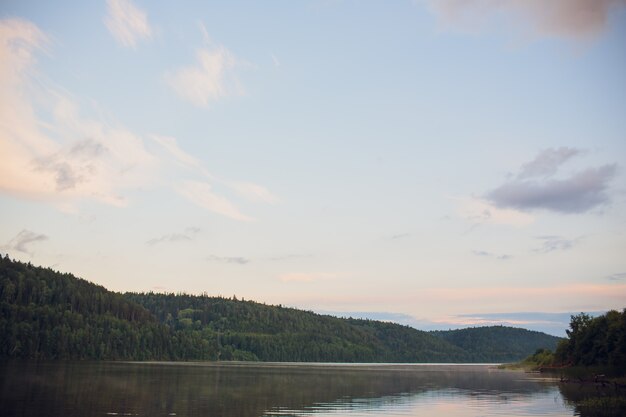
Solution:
(250, 330)
(50, 315)
(497, 343)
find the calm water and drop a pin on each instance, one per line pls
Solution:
(250, 390)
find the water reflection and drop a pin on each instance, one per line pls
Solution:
(242, 390)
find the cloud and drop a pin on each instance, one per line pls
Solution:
(578, 193)
(547, 162)
(201, 194)
(170, 144)
(52, 151)
(19, 40)
(555, 243)
(189, 235)
(478, 212)
(554, 18)
(306, 276)
(275, 60)
(248, 190)
(23, 239)
(209, 79)
(127, 23)
(536, 187)
(60, 167)
(482, 253)
(252, 191)
(617, 277)
(228, 259)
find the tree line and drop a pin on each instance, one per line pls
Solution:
(595, 341)
(46, 314)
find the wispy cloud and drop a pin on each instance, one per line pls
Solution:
(307, 276)
(251, 191)
(69, 156)
(617, 277)
(248, 190)
(201, 194)
(275, 60)
(127, 23)
(555, 243)
(558, 18)
(210, 78)
(535, 188)
(485, 254)
(170, 144)
(23, 240)
(188, 235)
(55, 151)
(228, 259)
(478, 212)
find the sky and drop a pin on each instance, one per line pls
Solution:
(438, 163)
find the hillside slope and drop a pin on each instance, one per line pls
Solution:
(498, 343)
(49, 315)
(248, 329)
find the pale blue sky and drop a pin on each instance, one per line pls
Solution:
(437, 159)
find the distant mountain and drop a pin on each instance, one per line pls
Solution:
(498, 343)
(49, 315)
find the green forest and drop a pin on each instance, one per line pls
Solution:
(595, 342)
(497, 343)
(595, 346)
(51, 315)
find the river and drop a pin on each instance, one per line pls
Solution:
(262, 390)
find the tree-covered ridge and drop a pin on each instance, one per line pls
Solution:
(498, 343)
(275, 333)
(50, 315)
(47, 314)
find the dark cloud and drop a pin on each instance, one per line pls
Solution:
(65, 175)
(502, 257)
(228, 259)
(547, 162)
(88, 148)
(22, 240)
(579, 193)
(66, 178)
(74, 166)
(188, 235)
(555, 243)
(617, 277)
